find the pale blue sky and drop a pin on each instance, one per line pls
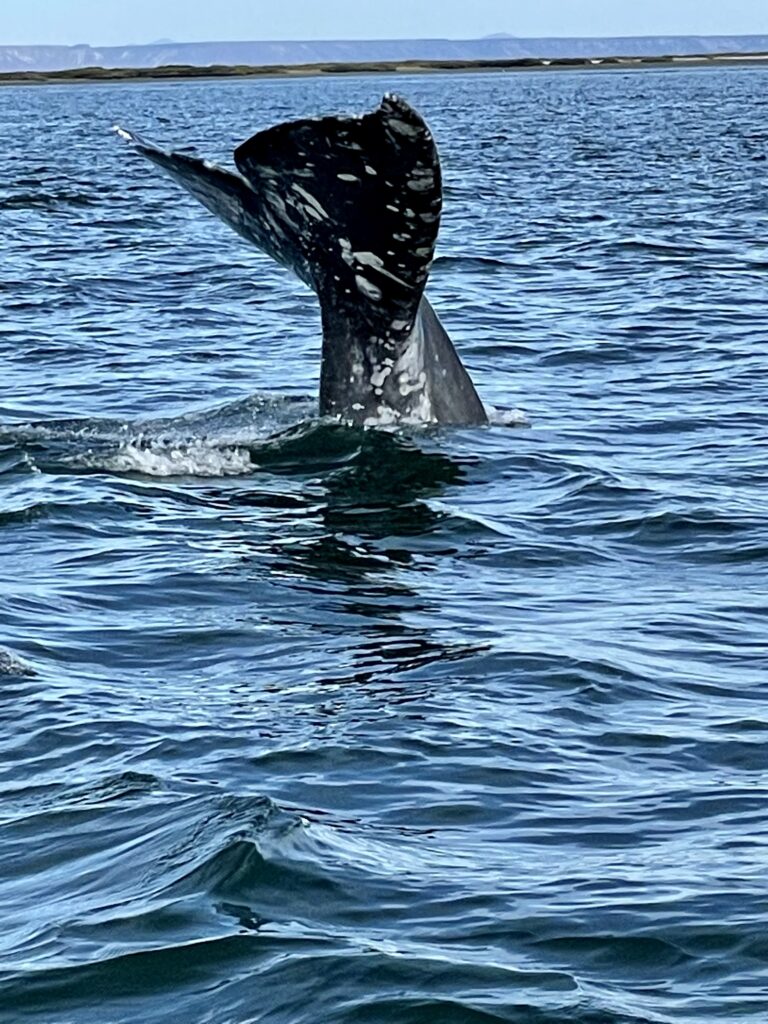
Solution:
(112, 22)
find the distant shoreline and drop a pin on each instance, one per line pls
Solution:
(173, 72)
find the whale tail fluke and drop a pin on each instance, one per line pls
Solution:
(352, 206)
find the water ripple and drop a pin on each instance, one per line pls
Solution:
(303, 723)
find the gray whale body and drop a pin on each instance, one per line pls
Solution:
(352, 206)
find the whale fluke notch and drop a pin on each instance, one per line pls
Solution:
(352, 206)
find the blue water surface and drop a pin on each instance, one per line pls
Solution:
(311, 725)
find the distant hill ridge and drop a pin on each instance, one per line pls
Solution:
(59, 58)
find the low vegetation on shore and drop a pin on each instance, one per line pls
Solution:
(173, 71)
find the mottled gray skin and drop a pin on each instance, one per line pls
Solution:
(352, 206)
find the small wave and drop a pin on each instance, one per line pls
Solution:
(660, 246)
(599, 352)
(230, 845)
(239, 422)
(468, 262)
(44, 200)
(65, 430)
(14, 462)
(33, 511)
(672, 526)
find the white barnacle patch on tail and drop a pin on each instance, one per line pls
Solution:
(368, 288)
(379, 375)
(402, 387)
(347, 177)
(412, 381)
(422, 179)
(407, 385)
(370, 259)
(359, 260)
(313, 207)
(385, 416)
(418, 185)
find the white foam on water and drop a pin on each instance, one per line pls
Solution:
(192, 459)
(10, 665)
(506, 417)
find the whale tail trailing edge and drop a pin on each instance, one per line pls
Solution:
(352, 206)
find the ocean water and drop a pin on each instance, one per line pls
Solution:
(311, 725)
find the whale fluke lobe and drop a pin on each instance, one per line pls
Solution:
(352, 206)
